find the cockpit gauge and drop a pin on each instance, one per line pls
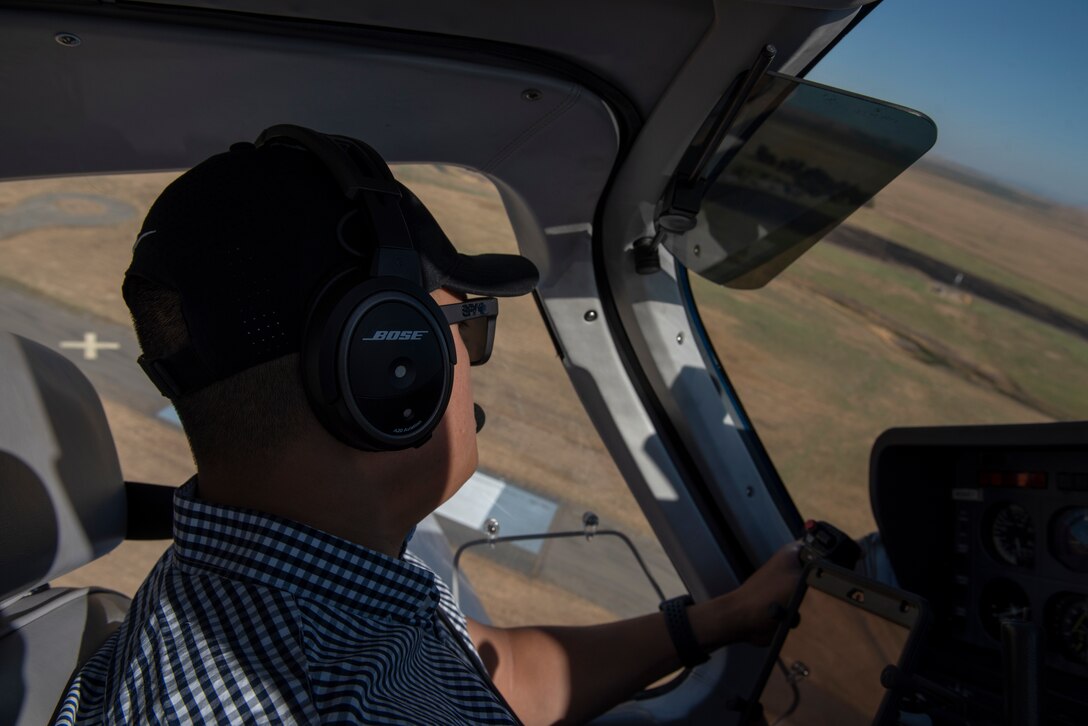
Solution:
(1067, 626)
(1069, 538)
(1002, 600)
(1011, 535)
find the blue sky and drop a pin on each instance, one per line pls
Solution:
(1006, 82)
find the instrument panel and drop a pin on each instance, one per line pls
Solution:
(988, 524)
(1020, 548)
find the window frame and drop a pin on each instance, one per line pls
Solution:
(771, 479)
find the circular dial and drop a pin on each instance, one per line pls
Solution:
(1069, 538)
(1012, 535)
(1067, 626)
(1002, 600)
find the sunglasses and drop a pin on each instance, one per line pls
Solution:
(475, 320)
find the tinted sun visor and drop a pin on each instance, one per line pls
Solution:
(796, 161)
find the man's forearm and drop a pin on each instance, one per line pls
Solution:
(570, 674)
(552, 674)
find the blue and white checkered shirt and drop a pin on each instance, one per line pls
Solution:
(249, 618)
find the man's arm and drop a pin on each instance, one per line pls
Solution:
(571, 674)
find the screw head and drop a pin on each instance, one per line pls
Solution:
(680, 338)
(749, 491)
(695, 250)
(531, 94)
(491, 526)
(68, 40)
(590, 316)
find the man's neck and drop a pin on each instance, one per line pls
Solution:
(375, 505)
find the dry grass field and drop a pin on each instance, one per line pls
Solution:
(537, 434)
(825, 358)
(79, 259)
(1029, 244)
(843, 346)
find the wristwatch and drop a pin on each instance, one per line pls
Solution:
(683, 637)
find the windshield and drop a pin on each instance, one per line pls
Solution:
(901, 317)
(955, 296)
(64, 246)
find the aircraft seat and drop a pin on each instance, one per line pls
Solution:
(62, 504)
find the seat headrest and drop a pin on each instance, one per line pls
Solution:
(62, 496)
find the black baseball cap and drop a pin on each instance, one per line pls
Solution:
(248, 237)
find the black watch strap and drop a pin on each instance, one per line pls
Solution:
(683, 637)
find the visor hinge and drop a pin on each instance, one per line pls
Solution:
(673, 223)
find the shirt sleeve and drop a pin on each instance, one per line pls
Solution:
(198, 649)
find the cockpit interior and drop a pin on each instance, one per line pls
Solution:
(660, 163)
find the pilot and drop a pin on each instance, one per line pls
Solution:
(290, 592)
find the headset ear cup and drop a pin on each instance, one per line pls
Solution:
(377, 362)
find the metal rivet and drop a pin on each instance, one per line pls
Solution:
(590, 522)
(68, 40)
(695, 250)
(749, 491)
(590, 316)
(531, 94)
(680, 338)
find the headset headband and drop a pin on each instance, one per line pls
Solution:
(376, 191)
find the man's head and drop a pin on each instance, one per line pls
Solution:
(223, 285)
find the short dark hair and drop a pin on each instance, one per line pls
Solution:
(248, 414)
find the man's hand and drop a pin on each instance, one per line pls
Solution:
(772, 584)
(749, 612)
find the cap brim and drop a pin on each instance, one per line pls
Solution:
(493, 275)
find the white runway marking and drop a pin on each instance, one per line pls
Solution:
(169, 415)
(519, 512)
(89, 345)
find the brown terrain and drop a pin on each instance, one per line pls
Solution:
(825, 358)
(532, 412)
(1039, 242)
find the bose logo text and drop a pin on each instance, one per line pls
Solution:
(397, 335)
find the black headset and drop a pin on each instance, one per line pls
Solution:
(377, 352)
